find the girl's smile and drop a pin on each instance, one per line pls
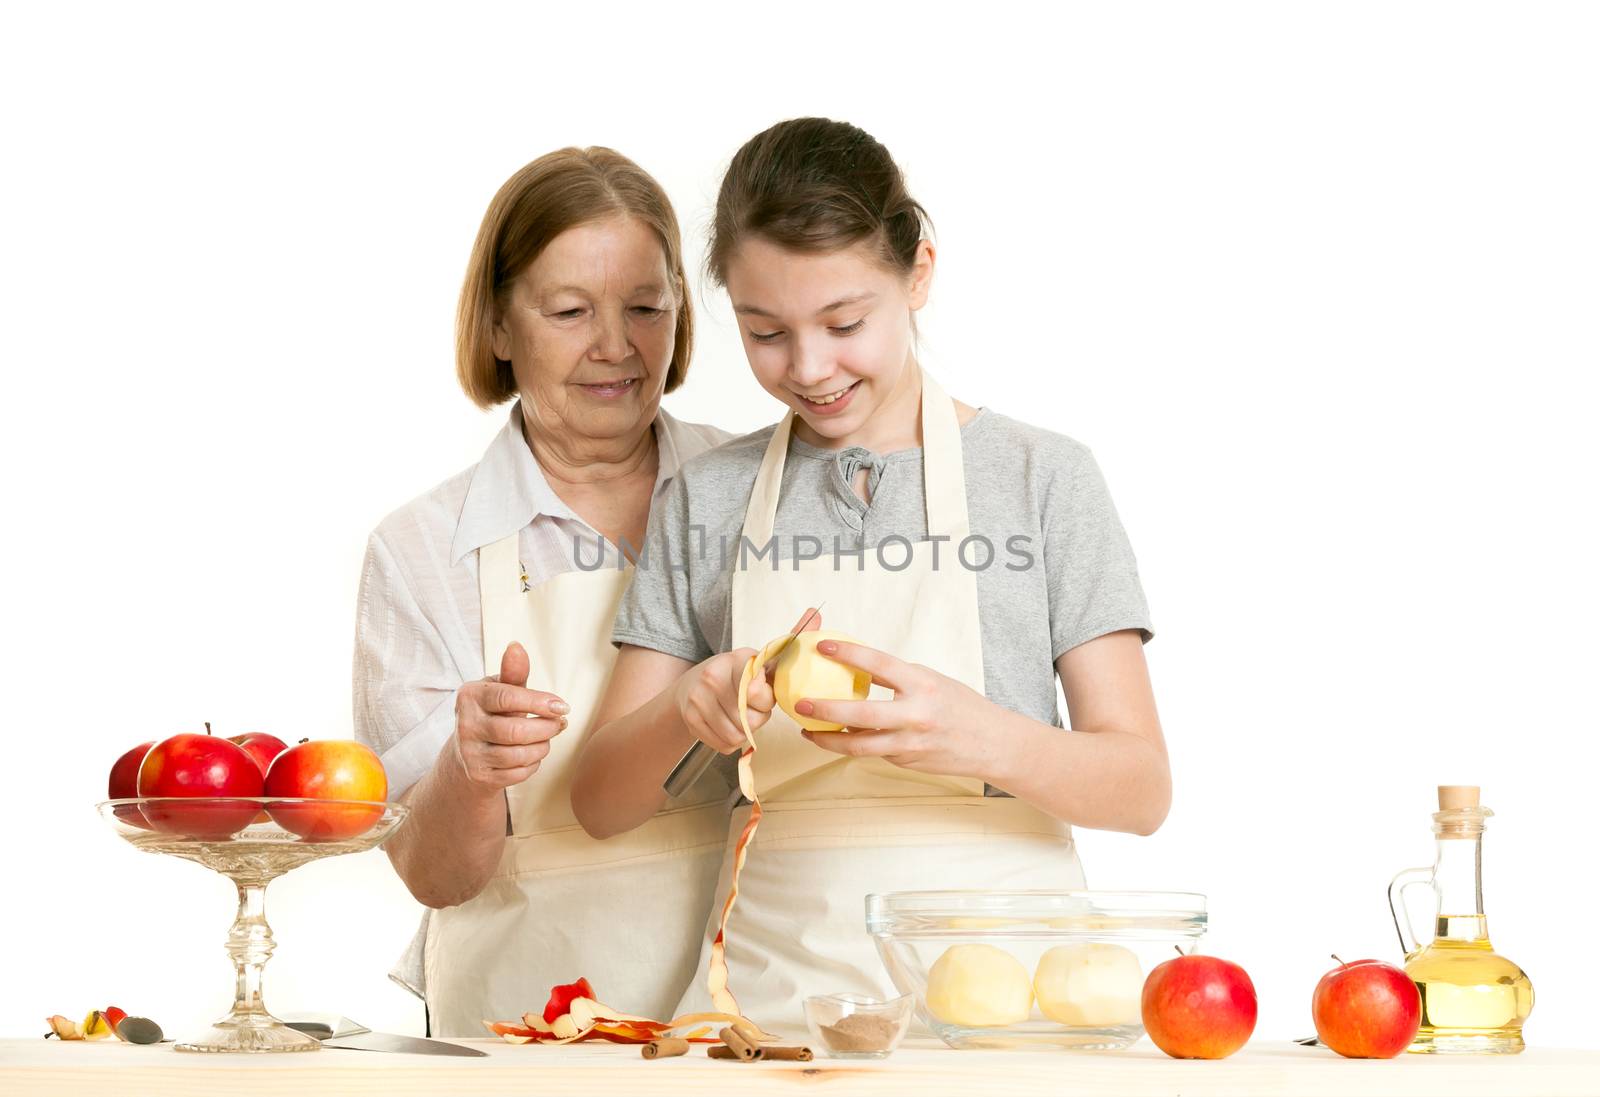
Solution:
(832, 403)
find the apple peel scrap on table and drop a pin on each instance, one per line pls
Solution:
(573, 1013)
(99, 1024)
(588, 1019)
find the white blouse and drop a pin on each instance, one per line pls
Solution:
(419, 627)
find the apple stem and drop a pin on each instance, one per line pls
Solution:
(208, 727)
(1178, 949)
(303, 741)
(1338, 961)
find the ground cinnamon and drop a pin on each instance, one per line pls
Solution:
(857, 1032)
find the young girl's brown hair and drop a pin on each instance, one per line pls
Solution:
(816, 185)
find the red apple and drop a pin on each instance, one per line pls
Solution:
(200, 766)
(260, 746)
(1366, 1010)
(327, 769)
(124, 785)
(1199, 1007)
(263, 748)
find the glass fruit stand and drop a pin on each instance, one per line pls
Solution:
(252, 841)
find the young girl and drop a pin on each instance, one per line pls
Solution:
(972, 556)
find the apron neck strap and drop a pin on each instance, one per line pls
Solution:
(944, 483)
(944, 480)
(763, 508)
(499, 570)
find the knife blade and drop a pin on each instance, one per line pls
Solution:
(407, 1045)
(698, 758)
(323, 1026)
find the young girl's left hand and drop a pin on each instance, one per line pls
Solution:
(934, 724)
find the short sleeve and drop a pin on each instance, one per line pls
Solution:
(404, 680)
(1092, 576)
(657, 611)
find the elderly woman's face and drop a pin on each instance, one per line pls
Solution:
(588, 329)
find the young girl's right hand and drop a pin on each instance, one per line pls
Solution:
(707, 699)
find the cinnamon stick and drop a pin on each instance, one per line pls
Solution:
(666, 1048)
(715, 1052)
(751, 1034)
(739, 1045)
(787, 1054)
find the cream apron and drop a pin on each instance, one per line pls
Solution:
(625, 913)
(835, 829)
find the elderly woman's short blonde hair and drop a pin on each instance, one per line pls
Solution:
(556, 192)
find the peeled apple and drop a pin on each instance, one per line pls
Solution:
(1089, 984)
(979, 985)
(803, 672)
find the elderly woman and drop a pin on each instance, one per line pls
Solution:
(484, 625)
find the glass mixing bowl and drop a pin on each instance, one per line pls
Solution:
(1014, 968)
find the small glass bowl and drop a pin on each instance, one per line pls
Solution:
(877, 1031)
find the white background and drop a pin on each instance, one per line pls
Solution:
(1318, 284)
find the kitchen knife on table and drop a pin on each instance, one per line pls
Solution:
(345, 1033)
(410, 1045)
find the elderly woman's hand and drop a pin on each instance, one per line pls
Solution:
(503, 729)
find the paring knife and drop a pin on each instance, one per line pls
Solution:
(698, 758)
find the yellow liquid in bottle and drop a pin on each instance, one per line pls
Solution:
(1473, 999)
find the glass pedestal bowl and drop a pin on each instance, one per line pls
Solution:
(971, 959)
(252, 841)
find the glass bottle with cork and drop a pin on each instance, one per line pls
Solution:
(1474, 1000)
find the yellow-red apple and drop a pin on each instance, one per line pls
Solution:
(327, 769)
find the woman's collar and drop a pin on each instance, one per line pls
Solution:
(509, 490)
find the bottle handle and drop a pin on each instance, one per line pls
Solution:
(1411, 877)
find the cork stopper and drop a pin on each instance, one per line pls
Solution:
(1459, 815)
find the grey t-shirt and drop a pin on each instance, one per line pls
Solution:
(1062, 571)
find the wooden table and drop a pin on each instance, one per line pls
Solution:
(102, 1068)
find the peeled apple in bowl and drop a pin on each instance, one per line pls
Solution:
(980, 986)
(804, 672)
(1089, 984)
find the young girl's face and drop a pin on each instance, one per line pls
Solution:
(829, 334)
